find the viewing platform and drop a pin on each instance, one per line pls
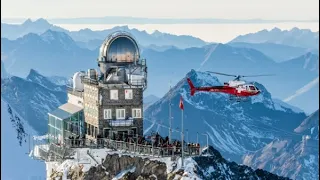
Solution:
(60, 152)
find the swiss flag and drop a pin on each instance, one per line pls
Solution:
(181, 103)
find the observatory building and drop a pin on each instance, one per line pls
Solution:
(105, 104)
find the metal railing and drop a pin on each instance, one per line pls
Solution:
(137, 82)
(63, 151)
(121, 122)
(90, 81)
(70, 90)
(131, 147)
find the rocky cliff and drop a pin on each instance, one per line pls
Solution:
(209, 165)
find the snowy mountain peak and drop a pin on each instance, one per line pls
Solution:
(295, 37)
(51, 35)
(157, 33)
(203, 78)
(27, 22)
(39, 23)
(58, 38)
(275, 29)
(34, 73)
(310, 126)
(36, 77)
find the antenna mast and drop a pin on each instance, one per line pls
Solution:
(170, 117)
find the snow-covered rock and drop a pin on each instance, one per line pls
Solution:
(295, 155)
(117, 165)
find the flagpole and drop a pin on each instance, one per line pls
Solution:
(170, 131)
(182, 139)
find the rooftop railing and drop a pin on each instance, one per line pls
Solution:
(121, 122)
(70, 90)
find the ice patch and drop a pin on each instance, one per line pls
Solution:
(122, 173)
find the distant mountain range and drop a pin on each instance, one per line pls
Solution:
(295, 156)
(39, 52)
(277, 52)
(295, 37)
(141, 20)
(52, 53)
(33, 98)
(88, 38)
(173, 63)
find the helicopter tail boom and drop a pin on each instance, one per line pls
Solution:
(192, 88)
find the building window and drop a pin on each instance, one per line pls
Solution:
(114, 94)
(128, 93)
(136, 113)
(107, 114)
(121, 113)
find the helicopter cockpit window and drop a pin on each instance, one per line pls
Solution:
(252, 88)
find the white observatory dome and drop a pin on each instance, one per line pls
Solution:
(120, 48)
(77, 84)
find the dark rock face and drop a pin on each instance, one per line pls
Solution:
(137, 167)
(211, 165)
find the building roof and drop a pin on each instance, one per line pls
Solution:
(70, 108)
(65, 111)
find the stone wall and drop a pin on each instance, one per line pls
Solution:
(97, 98)
(91, 106)
(121, 103)
(137, 99)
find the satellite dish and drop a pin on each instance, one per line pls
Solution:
(77, 83)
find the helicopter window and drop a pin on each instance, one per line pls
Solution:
(252, 88)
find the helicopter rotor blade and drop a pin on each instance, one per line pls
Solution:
(222, 74)
(259, 75)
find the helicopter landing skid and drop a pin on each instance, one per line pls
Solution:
(238, 98)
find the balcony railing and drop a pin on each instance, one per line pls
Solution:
(121, 122)
(90, 81)
(74, 92)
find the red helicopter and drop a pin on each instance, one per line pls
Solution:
(236, 88)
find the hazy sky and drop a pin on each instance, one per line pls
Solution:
(225, 9)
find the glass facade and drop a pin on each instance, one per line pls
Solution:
(74, 125)
(61, 129)
(55, 129)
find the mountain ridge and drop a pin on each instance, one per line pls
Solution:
(39, 26)
(294, 37)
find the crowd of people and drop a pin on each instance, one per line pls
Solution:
(159, 142)
(154, 140)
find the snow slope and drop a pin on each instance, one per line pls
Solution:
(15, 162)
(295, 156)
